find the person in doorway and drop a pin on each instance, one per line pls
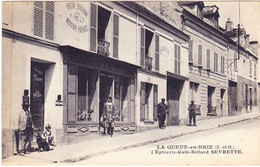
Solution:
(108, 111)
(25, 127)
(192, 113)
(162, 111)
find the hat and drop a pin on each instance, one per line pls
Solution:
(47, 126)
(192, 101)
(25, 103)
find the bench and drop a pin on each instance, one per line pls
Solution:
(212, 111)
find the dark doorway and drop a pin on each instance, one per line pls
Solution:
(104, 92)
(222, 93)
(174, 89)
(232, 99)
(210, 96)
(250, 99)
(246, 97)
(37, 95)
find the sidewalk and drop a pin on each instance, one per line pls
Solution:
(106, 144)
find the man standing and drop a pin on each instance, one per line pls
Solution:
(25, 127)
(192, 113)
(108, 111)
(162, 110)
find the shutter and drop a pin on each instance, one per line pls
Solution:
(49, 20)
(155, 102)
(191, 51)
(132, 100)
(200, 55)
(72, 80)
(142, 47)
(208, 59)
(142, 102)
(115, 35)
(157, 56)
(179, 59)
(38, 19)
(216, 62)
(175, 59)
(93, 28)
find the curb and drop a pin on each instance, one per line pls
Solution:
(73, 160)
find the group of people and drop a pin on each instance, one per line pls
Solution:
(25, 130)
(163, 111)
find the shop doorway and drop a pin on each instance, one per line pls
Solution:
(174, 89)
(232, 99)
(211, 107)
(37, 95)
(105, 90)
(222, 93)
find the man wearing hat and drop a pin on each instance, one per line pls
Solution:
(25, 126)
(192, 113)
(162, 110)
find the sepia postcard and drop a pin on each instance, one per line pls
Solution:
(171, 83)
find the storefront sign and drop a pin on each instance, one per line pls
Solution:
(104, 65)
(77, 17)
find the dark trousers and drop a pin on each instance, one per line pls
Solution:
(28, 133)
(161, 120)
(192, 115)
(17, 140)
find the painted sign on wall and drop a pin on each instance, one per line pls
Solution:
(77, 17)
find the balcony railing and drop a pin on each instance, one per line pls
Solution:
(103, 47)
(148, 63)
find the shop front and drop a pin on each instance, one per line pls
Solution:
(89, 79)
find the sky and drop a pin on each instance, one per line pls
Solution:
(249, 16)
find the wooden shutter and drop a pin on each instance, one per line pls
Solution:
(38, 19)
(179, 59)
(72, 82)
(200, 55)
(115, 35)
(49, 20)
(142, 102)
(155, 102)
(191, 51)
(157, 56)
(132, 100)
(93, 28)
(142, 47)
(208, 59)
(175, 59)
(216, 62)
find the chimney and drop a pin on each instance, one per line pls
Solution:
(253, 46)
(229, 25)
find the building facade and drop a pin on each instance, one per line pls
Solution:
(72, 56)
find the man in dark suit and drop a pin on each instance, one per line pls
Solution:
(162, 110)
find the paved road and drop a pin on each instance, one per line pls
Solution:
(238, 144)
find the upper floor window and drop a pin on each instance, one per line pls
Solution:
(215, 62)
(255, 70)
(208, 59)
(149, 49)
(191, 51)
(44, 19)
(103, 23)
(222, 65)
(250, 68)
(177, 59)
(199, 55)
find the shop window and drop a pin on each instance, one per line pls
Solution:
(86, 90)
(212, 109)
(44, 19)
(122, 98)
(148, 101)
